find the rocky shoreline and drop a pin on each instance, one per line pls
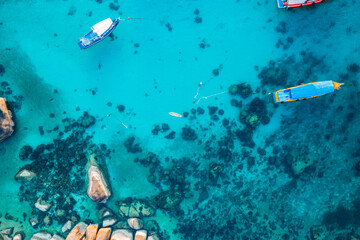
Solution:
(6, 123)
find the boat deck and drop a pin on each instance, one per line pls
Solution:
(305, 91)
(296, 3)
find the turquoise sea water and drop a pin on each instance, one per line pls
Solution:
(154, 66)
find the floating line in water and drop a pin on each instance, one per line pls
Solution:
(197, 92)
(212, 95)
(110, 115)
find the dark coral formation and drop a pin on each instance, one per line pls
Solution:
(278, 72)
(58, 170)
(114, 5)
(243, 89)
(164, 128)
(197, 18)
(174, 178)
(188, 134)
(254, 114)
(282, 27)
(354, 68)
(120, 108)
(2, 70)
(131, 146)
(274, 74)
(15, 101)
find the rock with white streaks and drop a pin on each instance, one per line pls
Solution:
(91, 231)
(77, 232)
(42, 205)
(103, 234)
(140, 235)
(135, 223)
(25, 174)
(42, 235)
(122, 234)
(98, 187)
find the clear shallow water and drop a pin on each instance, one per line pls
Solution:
(40, 55)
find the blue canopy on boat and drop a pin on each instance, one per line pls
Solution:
(306, 91)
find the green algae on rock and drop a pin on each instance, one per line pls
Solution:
(243, 89)
(318, 232)
(233, 89)
(168, 200)
(135, 208)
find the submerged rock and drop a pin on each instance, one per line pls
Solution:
(77, 232)
(109, 221)
(135, 208)
(91, 232)
(19, 236)
(140, 235)
(47, 220)
(57, 237)
(25, 174)
(42, 205)
(42, 235)
(6, 124)
(87, 120)
(67, 226)
(7, 231)
(233, 89)
(122, 234)
(105, 212)
(318, 232)
(300, 159)
(153, 236)
(34, 221)
(98, 187)
(168, 200)
(135, 223)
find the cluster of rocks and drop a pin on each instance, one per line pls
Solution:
(132, 230)
(55, 172)
(6, 123)
(7, 234)
(135, 208)
(127, 226)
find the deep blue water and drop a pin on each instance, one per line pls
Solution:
(237, 182)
